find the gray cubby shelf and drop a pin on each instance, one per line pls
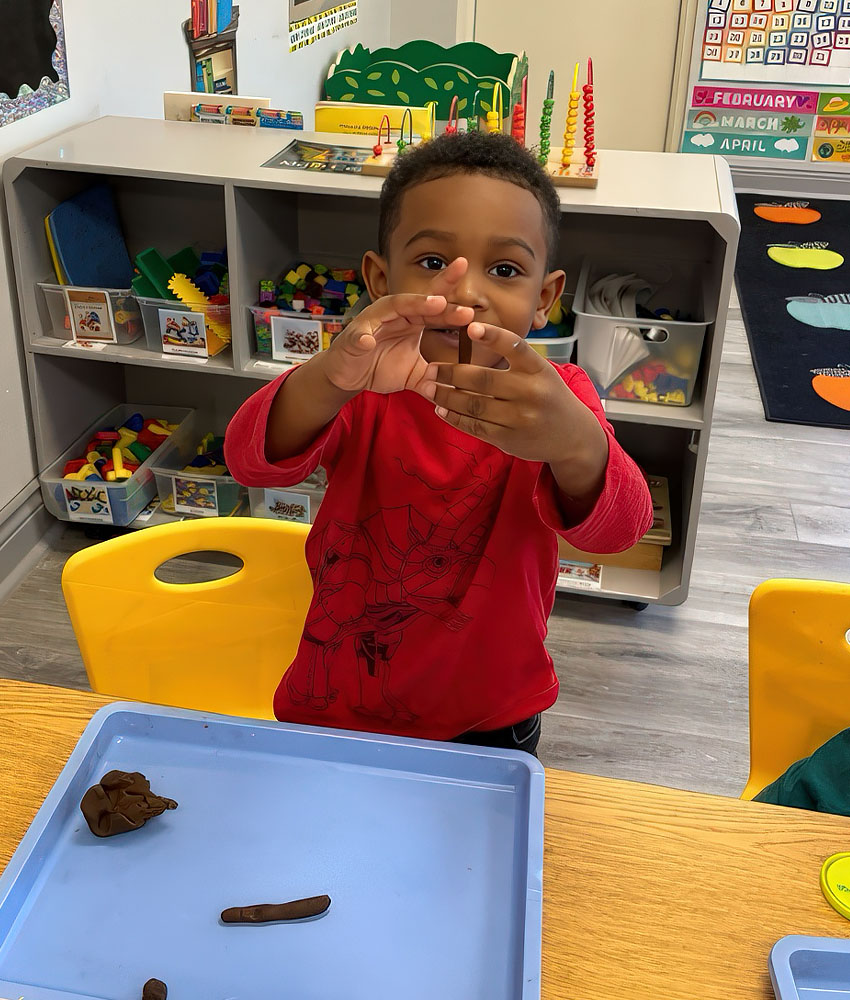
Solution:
(178, 183)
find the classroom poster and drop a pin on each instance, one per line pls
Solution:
(768, 80)
(310, 20)
(33, 66)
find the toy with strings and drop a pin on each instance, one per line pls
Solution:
(571, 166)
(495, 114)
(472, 122)
(451, 128)
(546, 119)
(570, 126)
(381, 162)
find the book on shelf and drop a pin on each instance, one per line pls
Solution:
(225, 14)
(212, 17)
(648, 553)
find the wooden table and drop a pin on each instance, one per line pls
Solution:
(648, 892)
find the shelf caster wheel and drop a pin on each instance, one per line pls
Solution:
(636, 605)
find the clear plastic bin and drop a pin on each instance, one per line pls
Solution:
(217, 322)
(125, 312)
(109, 503)
(557, 349)
(261, 318)
(193, 494)
(645, 360)
(295, 503)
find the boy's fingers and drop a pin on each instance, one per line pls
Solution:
(474, 426)
(408, 306)
(494, 382)
(445, 281)
(484, 409)
(515, 350)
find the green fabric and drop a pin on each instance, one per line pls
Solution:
(820, 782)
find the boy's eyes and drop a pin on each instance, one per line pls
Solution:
(504, 271)
(432, 263)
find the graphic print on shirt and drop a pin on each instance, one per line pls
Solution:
(376, 577)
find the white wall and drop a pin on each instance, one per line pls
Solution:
(122, 55)
(436, 20)
(155, 55)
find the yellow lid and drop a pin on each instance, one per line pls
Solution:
(835, 882)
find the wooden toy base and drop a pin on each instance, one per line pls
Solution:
(577, 174)
(379, 166)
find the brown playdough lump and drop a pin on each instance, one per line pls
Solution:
(123, 801)
(154, 989)
(261, 913)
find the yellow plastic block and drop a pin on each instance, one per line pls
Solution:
(303, 270)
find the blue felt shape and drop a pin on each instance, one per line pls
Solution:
(87, 235)
(819, 311)
(208, 282)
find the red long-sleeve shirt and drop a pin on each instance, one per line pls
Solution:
(434, 562)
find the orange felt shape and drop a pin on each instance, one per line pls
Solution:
(787, 213)
(834, 389)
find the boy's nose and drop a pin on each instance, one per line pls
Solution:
(470, 293)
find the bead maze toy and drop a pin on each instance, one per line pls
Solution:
(569, 165)
(380, 163)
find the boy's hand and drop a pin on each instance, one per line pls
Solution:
(379, 349)
(526, 411)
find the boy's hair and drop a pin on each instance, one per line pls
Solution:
(492, 154)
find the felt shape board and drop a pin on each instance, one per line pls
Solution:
(33, 67)
(770, 79)
(421, 72)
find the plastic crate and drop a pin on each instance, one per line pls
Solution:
(108, 503)
(126, 319)
(193, 494)
(665, 369)
(557, 349)
(295, 503)
(217, 321)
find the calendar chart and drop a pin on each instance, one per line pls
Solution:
(777, 41)
(770, 79)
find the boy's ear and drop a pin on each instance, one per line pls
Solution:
(552, 290)
(374, 269)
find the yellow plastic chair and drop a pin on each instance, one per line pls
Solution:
(218, 646)
(799, 673)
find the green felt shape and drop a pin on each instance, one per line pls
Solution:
(422, 72)
(185, 261)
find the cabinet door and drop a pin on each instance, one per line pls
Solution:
(633, 47)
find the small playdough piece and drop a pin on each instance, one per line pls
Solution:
(796, 212)
(263, 913)
(121, 802)
(464, 347)
(154, 989)
(811, 255)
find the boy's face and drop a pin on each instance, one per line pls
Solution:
(499, 228)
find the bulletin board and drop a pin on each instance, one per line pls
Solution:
(33, 67)
(770, 79)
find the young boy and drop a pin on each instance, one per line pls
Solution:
(434, 553)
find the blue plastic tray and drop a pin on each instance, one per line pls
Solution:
(432, 855)
(810, 968)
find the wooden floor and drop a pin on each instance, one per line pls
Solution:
(661, 695)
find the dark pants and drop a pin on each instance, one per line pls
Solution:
(523, 736)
